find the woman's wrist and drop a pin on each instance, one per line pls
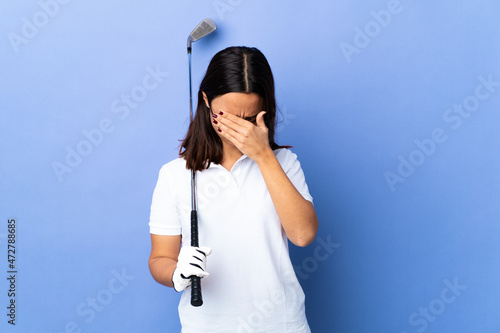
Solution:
(266, 158)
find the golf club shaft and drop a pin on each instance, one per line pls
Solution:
(205, 27)
(190, 88)
(196, 297)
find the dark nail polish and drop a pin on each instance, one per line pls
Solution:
(215, 122)
(221, 113)
(219, 130)
(214, 115)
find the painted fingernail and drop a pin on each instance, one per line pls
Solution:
(215, 122)
(214, 115)
(219, 129)
(221, 113)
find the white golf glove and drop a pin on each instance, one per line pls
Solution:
(191, 262)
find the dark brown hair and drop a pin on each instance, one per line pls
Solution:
(234, 69)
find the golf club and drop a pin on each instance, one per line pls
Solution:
(204, 28)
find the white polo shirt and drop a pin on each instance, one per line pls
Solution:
(252, 286)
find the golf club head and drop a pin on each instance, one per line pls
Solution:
(204, 28)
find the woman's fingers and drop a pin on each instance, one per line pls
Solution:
(242, 125)
(229, 133)
(250, 139)
(233, 121)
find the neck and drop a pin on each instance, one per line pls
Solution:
(230, 154)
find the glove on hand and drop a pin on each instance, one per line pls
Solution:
(191, 262)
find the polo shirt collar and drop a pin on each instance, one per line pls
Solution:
(239, 160)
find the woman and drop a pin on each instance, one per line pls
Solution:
(252, 197)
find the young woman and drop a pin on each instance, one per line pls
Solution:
(252, 198)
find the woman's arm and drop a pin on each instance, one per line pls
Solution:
(297, 215)
(163, 259)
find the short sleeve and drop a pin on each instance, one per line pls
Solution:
(164, 218)
(293, 170)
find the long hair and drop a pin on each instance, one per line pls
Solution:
(234, 69)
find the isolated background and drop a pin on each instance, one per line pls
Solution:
(351, 117)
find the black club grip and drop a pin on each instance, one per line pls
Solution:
(196, 298)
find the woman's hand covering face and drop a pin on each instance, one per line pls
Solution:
(251, 139)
